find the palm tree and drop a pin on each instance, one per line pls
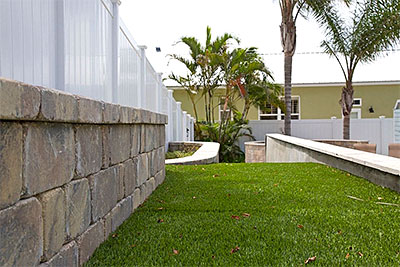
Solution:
(373, 28)
(290, 10)
(203, 67)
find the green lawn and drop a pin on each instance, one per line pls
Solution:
(259, 214)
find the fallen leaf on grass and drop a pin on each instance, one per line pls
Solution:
(355, 198)
(380, 198)
(229, 195)
(161, 201)
(275, 184)
(339, 232)
(215, 175)
(235, 249)
(347, 256)
(114, 235)
(160, 208)
(180, 236)
(212, 257)
(134, 245)
(310, 259)
(348, 174)
(235, 217)
(203, 169)
(387, 204)
(246, 215)
(160, 221)
(360, 254)
(176, 252)
(194, 197)
(300, 226)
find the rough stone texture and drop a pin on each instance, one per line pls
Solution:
(130, 176)
(120, 181)
(161, 136)
(90, 240)
(143, 169)
(129, 115)
(254, 151)
(136, 199)
(21, 240)
(53, 212)
(49, 156)
(142, 193)
(111, 113)
(10, 163)
(67, 257)
(89, 149)
(160, 176)
(153, 162)
(161, 158)
(394, 150)
(18, 100)
(366, 147)
(119, 142)
(106, 146)
(135, 140)
(58, 106)
(89, 110)
(152, 183)
(121, 212)
(148, 138)
(103, 187)
(107, 225)
(78, 208)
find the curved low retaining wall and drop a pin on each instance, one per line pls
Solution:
(206, 154)
(72, 170)
(379, 169)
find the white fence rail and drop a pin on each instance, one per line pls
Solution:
(84, 48)
(376, 131)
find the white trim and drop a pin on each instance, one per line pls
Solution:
(397, 105)
(335, 84)
(358, 98)
(279, 113)
(355, 110)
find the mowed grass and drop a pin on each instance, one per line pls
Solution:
(258, 215)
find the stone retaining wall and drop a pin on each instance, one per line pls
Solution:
(72, 170)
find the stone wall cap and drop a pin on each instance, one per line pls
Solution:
(26, 102)
(380, 162)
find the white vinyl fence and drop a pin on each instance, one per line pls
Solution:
(84, 48)
(376, 131)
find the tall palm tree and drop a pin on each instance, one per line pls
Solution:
(373, 28)
(203, 68)
(290, 10)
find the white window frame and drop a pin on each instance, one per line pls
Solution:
(397, 105)
(280, 114)
(360, 99)
(358, 111)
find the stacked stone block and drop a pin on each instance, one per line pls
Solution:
(72, 170)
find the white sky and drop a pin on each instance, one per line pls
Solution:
(160, 23)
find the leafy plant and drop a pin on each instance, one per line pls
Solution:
(228, 138)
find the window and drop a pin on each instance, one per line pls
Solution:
(357, 102)
(355, 113)
(223, 115)
(274, 113)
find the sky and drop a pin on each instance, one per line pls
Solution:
(160, 23)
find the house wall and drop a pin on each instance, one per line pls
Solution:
(318, 102)
(72, 170)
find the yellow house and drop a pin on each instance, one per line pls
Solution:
(314, 101)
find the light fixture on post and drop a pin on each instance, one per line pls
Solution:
(371, 109)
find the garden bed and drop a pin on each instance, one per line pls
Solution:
(259, 214)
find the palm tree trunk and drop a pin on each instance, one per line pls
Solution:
(288, 93)
(288, 39)
(346, 101)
